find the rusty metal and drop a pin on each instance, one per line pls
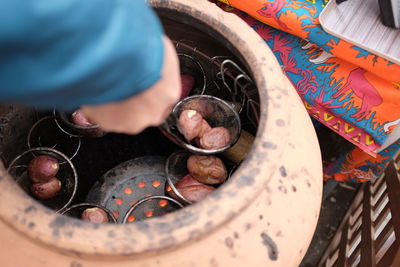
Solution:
(147, 207)
(128, 183)
(369, 234)
(13, 133)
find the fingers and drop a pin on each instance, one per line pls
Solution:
(149, 108)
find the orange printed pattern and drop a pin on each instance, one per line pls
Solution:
(300, 18)
(351, 91)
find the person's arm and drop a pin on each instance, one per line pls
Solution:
(149, 108)
(69, 53)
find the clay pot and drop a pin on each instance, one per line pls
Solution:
(264, 215)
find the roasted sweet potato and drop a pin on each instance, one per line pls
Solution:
(42, 168)
(195, 193)
(205, 127)
(188, 180)
(94, 215)
(215, 138)
(79, 119)
(46, 190)
(207, 169)
(190, 124)
(187, 82)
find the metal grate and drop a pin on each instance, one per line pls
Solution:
(369, 234)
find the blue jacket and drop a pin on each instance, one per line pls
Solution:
(66, 53)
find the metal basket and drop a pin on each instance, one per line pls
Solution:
(189, 65)
(215, 111)
(63, 121)
(66, 174)
(42, 134)
(176, 169)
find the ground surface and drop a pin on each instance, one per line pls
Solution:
(333, 209)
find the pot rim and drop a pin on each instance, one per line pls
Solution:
(69, 235)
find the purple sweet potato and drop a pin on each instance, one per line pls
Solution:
(195, 193)
(187, 82)
(42, 168)
(79, 119)
(46, 190)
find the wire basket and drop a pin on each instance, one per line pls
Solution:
(63, 121)
(42, 134)
(66, 174)
(215, 111)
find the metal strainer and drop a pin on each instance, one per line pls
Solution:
(215, 111)
(63, 121)
(46, 133)
(176, 169)
(191, 66)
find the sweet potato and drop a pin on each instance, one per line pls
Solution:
(195, 193)
(95, 215)
(46, 190)
(42, 168)
(205, 127)
(190, 122)
(207, 169)
(187, 82)
(215, 138)
(188, 180)
(203, 107)
(79, 119)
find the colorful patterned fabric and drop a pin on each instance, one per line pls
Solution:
(300, 18)
(348, 89)
(358, 166)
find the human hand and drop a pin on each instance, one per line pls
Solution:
(149, 108)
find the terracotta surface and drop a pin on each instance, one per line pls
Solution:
(265, 215)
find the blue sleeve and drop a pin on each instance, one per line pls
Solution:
(67, 53)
